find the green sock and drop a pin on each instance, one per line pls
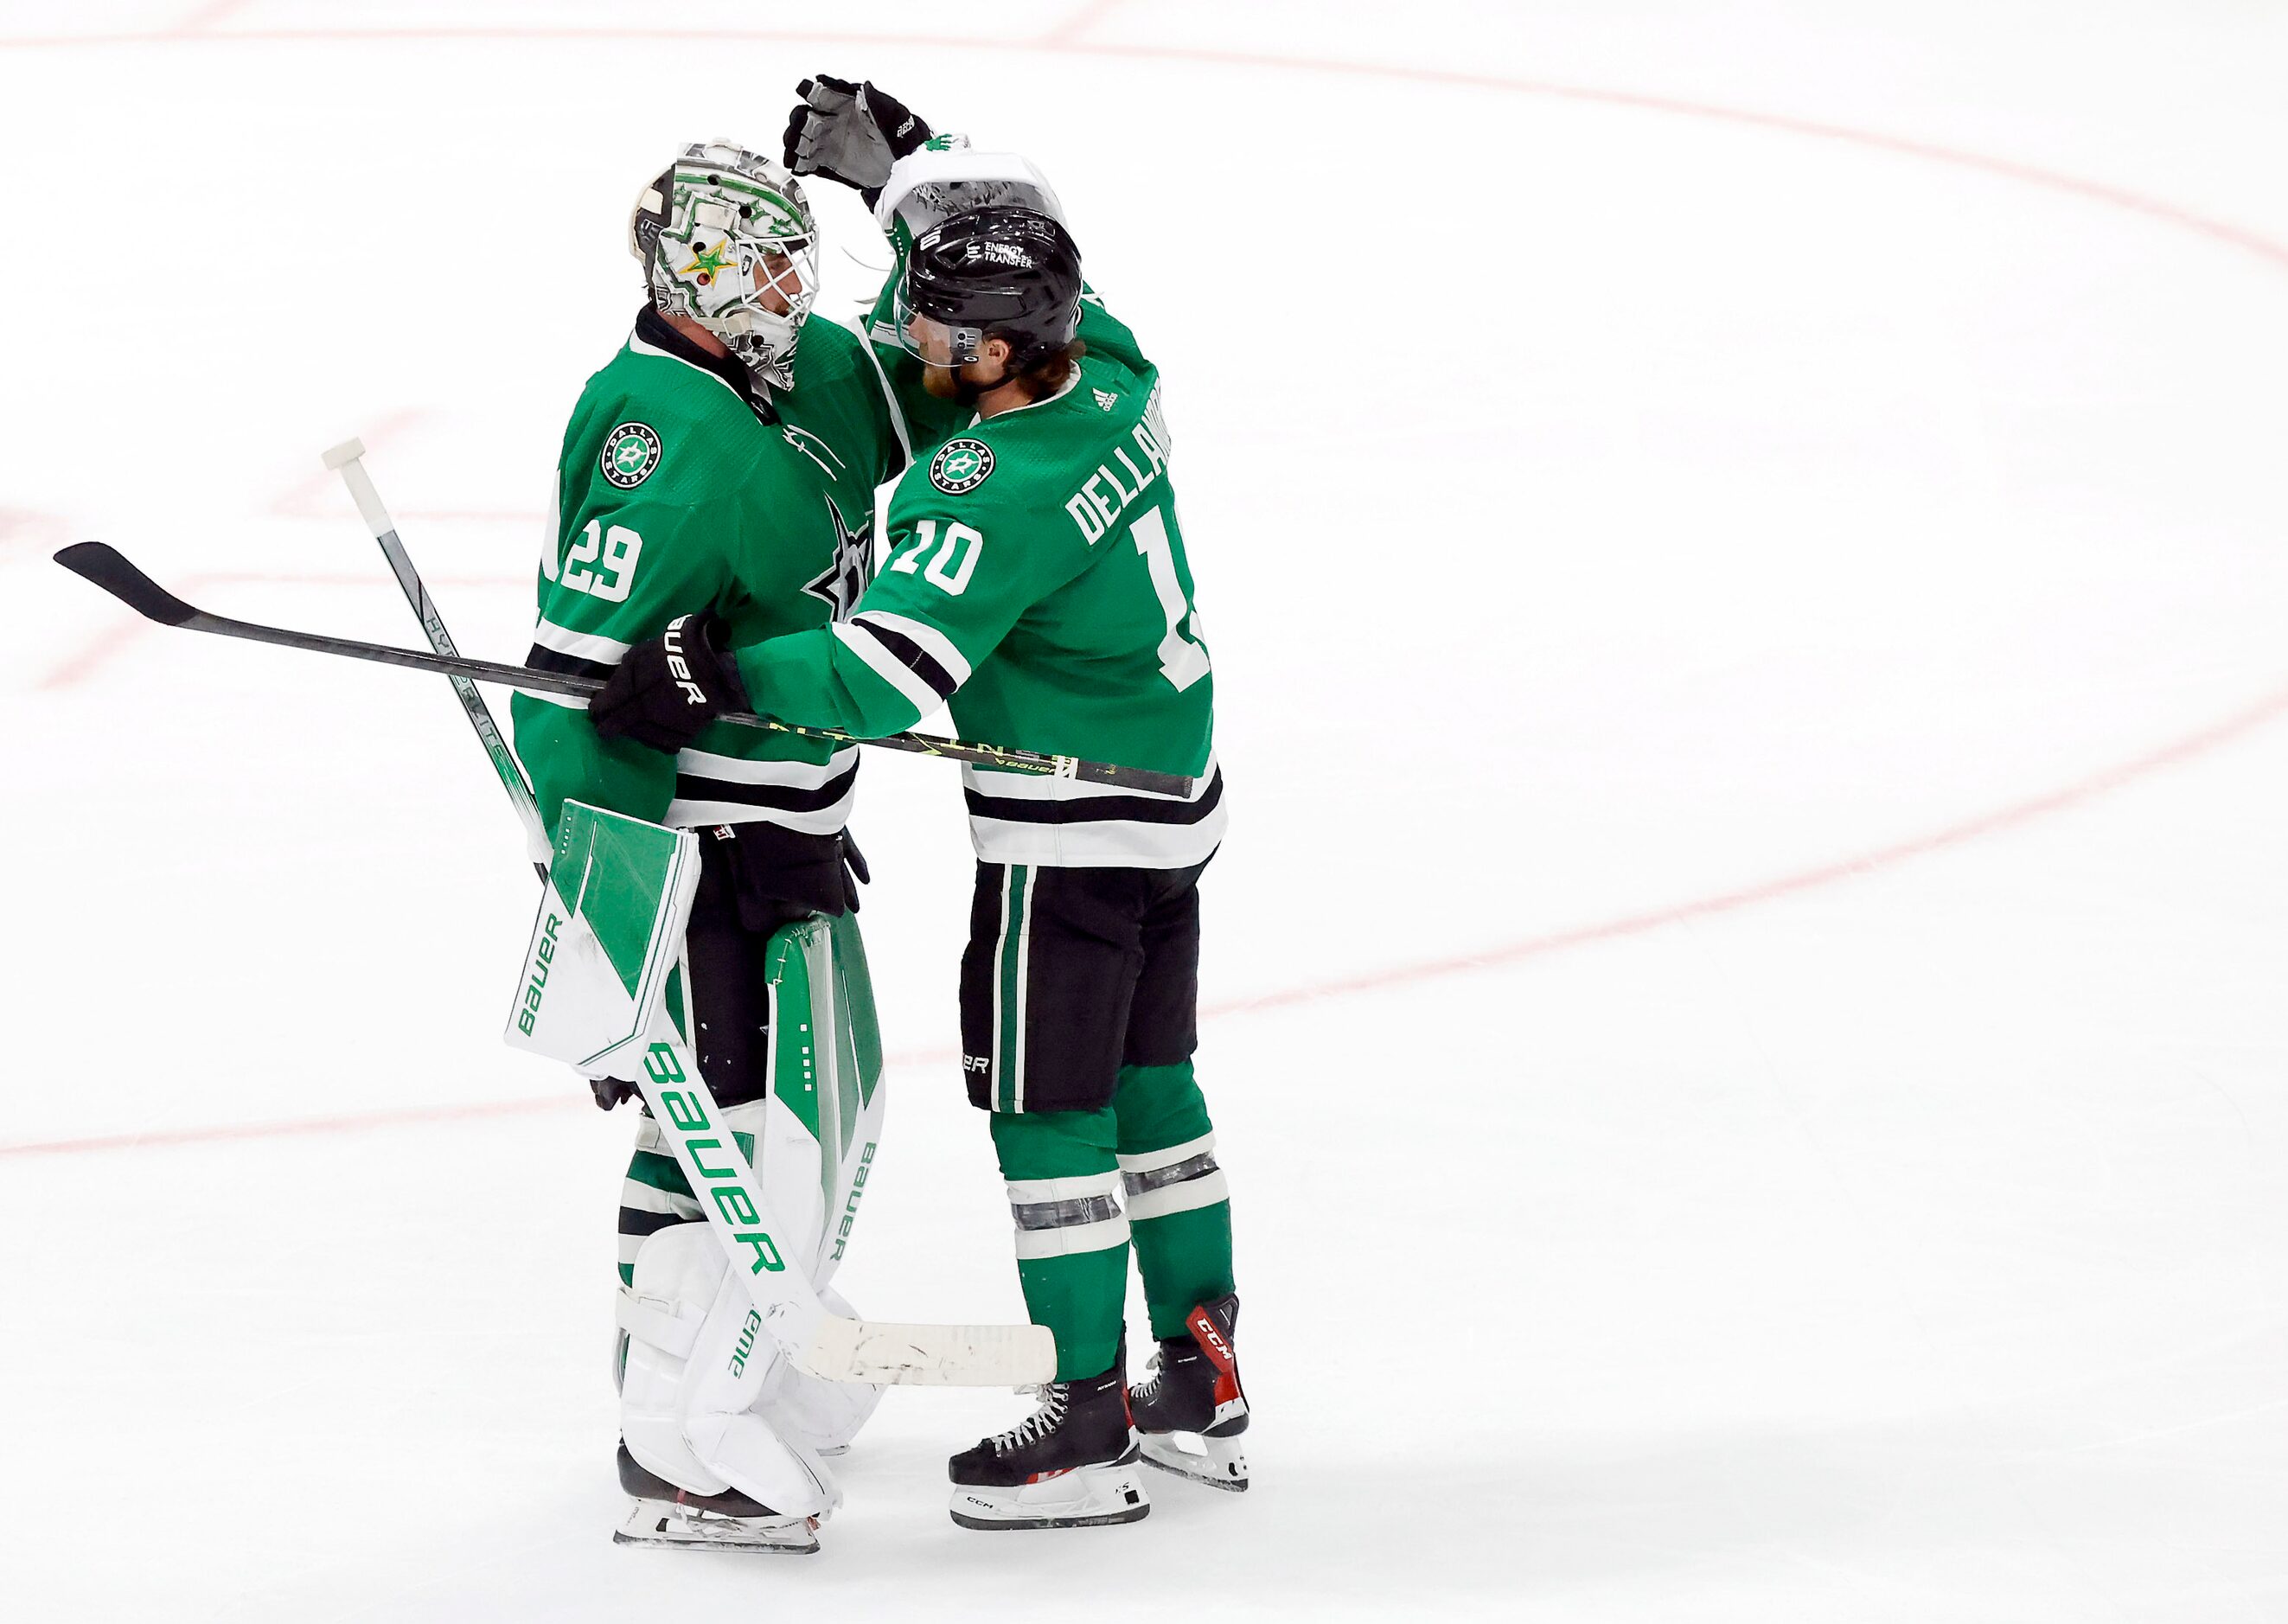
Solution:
(1178, 1212)
(1072, 1248)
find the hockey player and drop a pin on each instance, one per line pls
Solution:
(724, 460)
(1038, 581)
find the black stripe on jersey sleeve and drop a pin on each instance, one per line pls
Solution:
(1098, 808)
(634, 1220)
(567, 664)
(911, 655)
(775, 797)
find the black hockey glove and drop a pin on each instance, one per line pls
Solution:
(611, 1092)
(853, 864)
(850, 132)
(668, 688)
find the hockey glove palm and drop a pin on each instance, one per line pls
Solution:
(850, 132)
(668, 688)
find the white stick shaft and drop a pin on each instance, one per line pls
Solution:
(347, 458)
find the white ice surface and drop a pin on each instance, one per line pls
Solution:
(1803, 614)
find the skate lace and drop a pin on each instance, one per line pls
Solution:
(1039, 1424)
(1149, 1387)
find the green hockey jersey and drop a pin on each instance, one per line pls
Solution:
(1036, 580)
(677, 490)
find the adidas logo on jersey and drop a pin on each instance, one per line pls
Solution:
(1105, 398)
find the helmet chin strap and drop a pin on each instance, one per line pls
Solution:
(967, 392)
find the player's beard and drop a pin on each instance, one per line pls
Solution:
(952, 384)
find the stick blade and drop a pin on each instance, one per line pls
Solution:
(1141, 778)
(108, 568)
(1161, 783)
(931, 1356)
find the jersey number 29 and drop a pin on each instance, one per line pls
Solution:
(611, 579)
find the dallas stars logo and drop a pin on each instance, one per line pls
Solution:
(842, 582)
(706, 261)
(630, 454)
(960, 466)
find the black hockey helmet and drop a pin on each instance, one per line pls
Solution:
(998, 271)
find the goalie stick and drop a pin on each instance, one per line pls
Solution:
(346, 459)
(107, 568)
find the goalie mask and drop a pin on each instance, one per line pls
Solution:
(727, 239)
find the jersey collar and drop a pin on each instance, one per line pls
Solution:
(654, 332)
(1072, 382)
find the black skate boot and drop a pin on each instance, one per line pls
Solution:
(1194, 1388)
(665, 1514)
(1070, 1464)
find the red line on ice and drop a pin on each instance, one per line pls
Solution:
(2196, 744)
(356, 1123)
(1068, 31)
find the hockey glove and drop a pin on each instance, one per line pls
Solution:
(611, 1092)
(668, 688)
(850, 132)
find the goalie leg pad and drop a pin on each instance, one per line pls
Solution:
(697, 1360)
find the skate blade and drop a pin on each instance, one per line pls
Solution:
(1104, 1495)
(1223, 1465)
(679, 1528)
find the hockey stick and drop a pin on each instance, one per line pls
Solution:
(107, 568)
(343, 458)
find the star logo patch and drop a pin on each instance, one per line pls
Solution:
(961, 466)
(631, 452)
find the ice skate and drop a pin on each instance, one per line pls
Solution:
(1193, 1391)
(1071, 1464)
(663, 1514)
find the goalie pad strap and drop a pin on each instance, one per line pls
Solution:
(659, 1322)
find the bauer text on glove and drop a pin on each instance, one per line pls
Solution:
(670, 687)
